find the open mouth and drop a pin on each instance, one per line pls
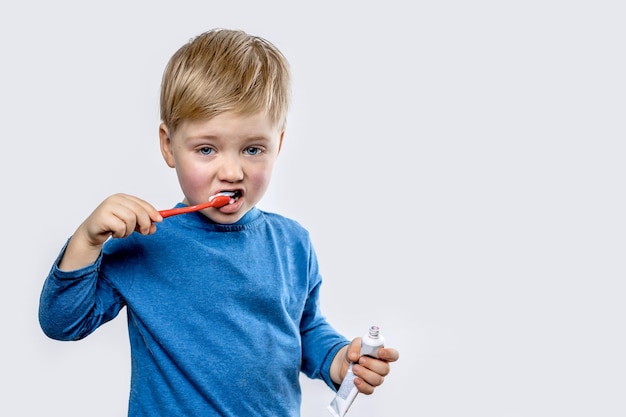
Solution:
(234, 195)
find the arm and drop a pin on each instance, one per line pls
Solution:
(73, 304)
(118, 216)
(321, 342)
(75, 300)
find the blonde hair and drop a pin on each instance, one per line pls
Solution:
(221, 71)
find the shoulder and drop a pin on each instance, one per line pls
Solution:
(285, 224)
(275, 218)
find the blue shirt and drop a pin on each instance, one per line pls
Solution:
(221, 318)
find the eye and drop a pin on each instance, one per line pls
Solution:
(253, 150)
(205, 150)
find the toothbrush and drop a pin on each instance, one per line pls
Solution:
(217, 200)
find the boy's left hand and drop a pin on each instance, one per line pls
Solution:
(370, 372)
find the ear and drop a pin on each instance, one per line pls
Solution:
(280, 143)
(166, 145)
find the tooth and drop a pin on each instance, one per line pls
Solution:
(225, 193)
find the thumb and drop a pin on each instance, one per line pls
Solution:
(354, 350)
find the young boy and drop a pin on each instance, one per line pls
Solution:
(222, 304)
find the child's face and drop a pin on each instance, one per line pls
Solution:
(229, 152)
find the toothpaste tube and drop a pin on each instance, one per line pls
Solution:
(370, 343)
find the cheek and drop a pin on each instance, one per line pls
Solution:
(260, 179)
(192, 179)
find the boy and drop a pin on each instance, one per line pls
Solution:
(222, 304)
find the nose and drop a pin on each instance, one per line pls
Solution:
(230, 169)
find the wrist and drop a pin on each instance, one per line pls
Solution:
(78, 254)
(336, 367)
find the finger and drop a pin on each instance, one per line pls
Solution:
(363, 387)
(117, 227)
(150, 210)
(144, 224)
(137, 214)
(120, 221)
(377, 366)
(388, 354)
(366, 380)
(354, 350)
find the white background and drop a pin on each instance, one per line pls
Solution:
(459, 164)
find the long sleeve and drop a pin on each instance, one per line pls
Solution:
(320, 341)
(222, 319)
(75, 303)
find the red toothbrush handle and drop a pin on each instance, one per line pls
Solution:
(179, 210)
(218, 201)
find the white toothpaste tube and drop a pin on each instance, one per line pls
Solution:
(347, 392)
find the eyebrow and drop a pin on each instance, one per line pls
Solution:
(209, 137)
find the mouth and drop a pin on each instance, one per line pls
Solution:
(234, 195)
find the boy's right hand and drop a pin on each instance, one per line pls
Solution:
(118, 216)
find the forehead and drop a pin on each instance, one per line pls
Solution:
(230, 124)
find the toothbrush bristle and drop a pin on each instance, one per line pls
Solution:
(220, 194)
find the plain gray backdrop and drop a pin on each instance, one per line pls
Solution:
(459, 164)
